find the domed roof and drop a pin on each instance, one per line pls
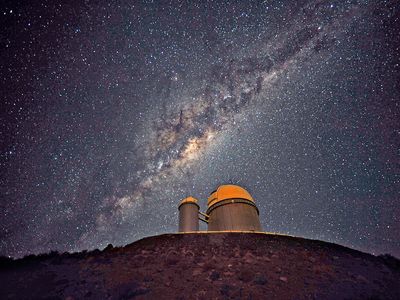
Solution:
(228, 191)
(189, 199)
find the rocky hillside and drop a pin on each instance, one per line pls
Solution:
(205, 266)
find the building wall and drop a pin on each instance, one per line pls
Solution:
(188, 217)
(234, 216)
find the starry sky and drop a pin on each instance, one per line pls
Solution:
(114, 111)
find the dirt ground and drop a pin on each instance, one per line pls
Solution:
(205, 266)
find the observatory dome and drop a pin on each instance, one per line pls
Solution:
(228, 191)
(189, 199)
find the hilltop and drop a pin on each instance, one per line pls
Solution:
(205, 266)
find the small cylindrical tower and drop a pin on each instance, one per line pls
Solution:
(188, 215)
(231, 207)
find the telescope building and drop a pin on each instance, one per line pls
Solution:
(229, 208)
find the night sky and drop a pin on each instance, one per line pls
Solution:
(114, 111)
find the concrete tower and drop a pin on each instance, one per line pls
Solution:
(188, 215)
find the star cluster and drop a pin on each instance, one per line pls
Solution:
(113, 111)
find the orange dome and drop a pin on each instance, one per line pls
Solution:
(189, 199)
(228, 191)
